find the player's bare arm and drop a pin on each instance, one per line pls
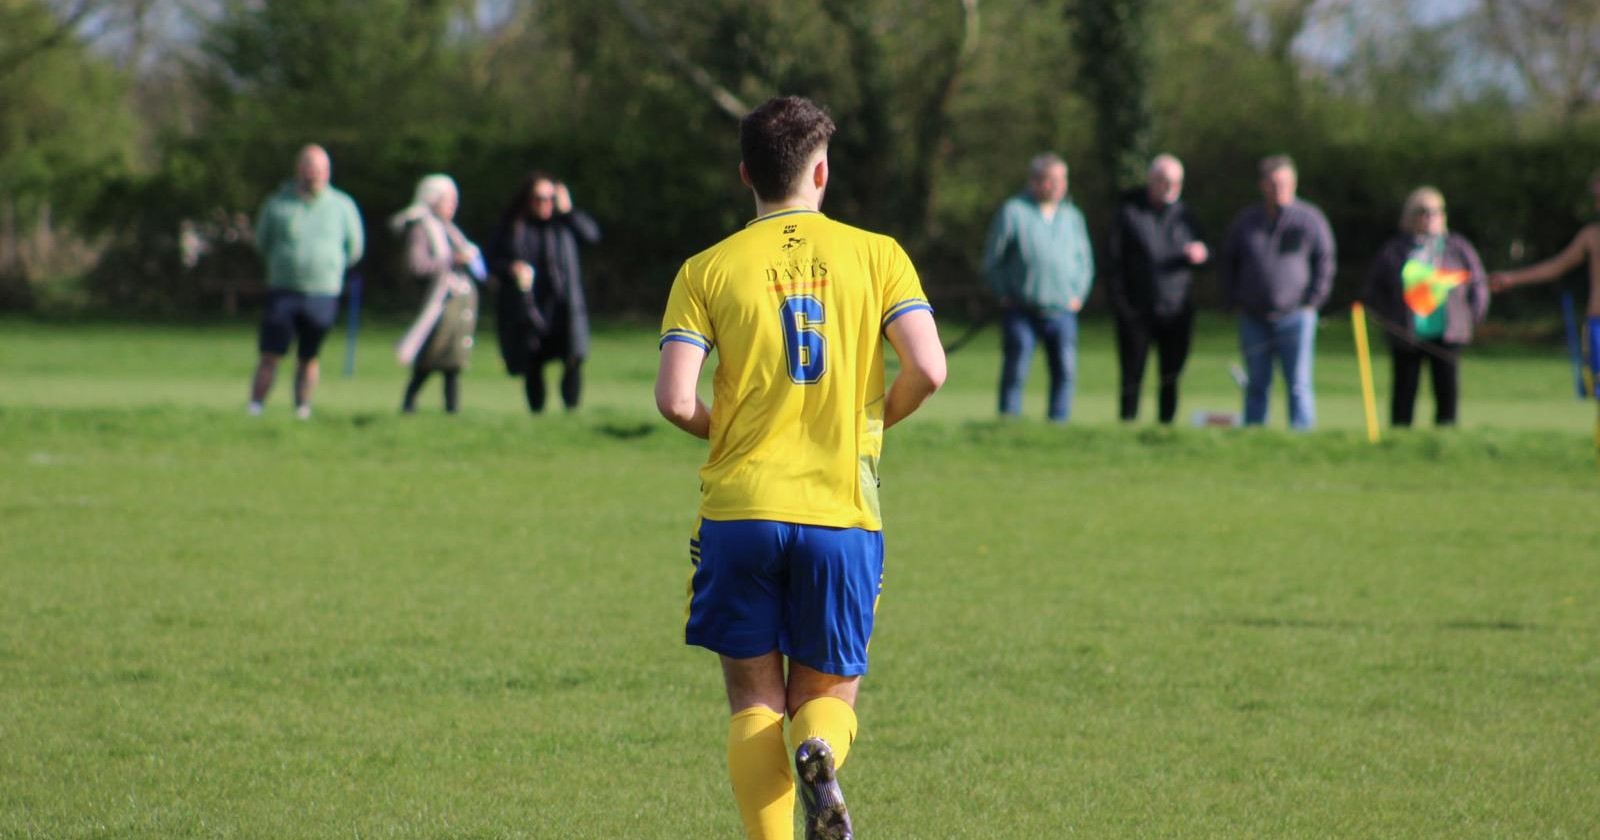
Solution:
(1584, 246)
(915, 339)
(677, 397)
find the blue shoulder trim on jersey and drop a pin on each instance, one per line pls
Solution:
(904, 307)
(687, 337)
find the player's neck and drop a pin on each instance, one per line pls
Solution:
(767, 208)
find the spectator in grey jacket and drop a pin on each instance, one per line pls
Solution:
(1038, 263)
(1427, 288)
(1277, 271)
(1155, 246)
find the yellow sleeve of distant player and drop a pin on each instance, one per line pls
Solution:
(687, 318)
(902, 288)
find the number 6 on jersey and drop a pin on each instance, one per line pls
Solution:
(802, 338)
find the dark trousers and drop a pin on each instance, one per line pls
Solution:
(571, 382)
(452, 389)
(1443, 363)
(1172, 337)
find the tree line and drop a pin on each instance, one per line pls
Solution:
(137, 137)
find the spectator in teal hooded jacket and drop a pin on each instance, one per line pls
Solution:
(1038, 263)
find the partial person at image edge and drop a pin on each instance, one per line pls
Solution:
(1584, 248)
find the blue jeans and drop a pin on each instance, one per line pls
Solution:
(1292, 341)
(1058, 331)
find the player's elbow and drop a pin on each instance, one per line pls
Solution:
(927, 375)
(678, 408)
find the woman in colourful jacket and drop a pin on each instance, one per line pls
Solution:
(1427, 289)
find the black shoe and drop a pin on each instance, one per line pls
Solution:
(826, 817)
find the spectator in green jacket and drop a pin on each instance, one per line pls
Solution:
(309, 233)
(1038, 263)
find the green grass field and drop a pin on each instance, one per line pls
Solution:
(374, 626)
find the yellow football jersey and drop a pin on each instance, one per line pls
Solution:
(795, 305)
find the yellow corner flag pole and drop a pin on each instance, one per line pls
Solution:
(1358, 319)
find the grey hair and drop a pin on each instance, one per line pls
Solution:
(1162, 160)
(1414, 201)
(429, 190)
(1273, 163)
(1044, 162)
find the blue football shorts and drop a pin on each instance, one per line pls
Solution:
(1593, 346)
(807, 590)
(290, 314)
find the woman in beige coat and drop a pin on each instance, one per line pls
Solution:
(437, 253)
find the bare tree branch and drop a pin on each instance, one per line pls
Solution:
(57, 35)
(1554, 47)
(933, 122)
(725, 99)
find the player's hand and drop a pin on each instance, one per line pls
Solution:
(1500, 281)
(563, 198)
(1196, 252)
(1074, 304)
(523, 274)
(464, 256)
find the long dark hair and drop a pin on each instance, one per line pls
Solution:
(518, 208)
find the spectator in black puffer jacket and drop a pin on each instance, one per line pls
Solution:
(1155, 247)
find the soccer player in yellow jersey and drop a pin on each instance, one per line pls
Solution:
(788, 555)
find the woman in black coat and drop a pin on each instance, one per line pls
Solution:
(542, 315)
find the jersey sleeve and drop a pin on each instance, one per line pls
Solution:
(902, 288)
(686, 318)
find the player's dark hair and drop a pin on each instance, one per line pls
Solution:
(777, 139)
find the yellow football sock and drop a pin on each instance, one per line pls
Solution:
(761, 768)
(828, 718)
